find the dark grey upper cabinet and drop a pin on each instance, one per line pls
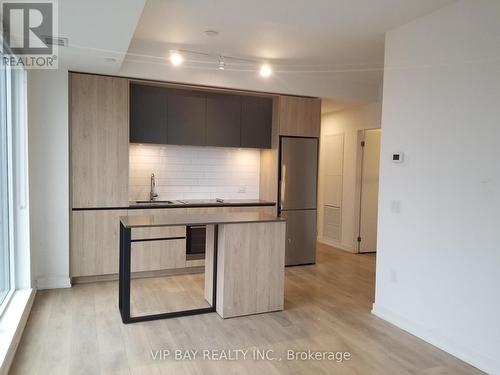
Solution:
(223, 120)
(186, 117)
(148, 114)
(256, 121)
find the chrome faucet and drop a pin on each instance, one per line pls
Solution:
(152, 193)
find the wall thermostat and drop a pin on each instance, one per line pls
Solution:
(398, 157)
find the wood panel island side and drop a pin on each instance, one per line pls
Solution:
(244, 264)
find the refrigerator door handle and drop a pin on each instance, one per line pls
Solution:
(283, 186)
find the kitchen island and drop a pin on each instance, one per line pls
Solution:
(244, 264)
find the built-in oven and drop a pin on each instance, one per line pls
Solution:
(195, 242)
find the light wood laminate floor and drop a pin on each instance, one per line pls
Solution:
(155, 295)
(327, 308)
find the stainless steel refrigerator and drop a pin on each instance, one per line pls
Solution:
(297, 200)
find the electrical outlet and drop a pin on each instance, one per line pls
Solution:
(242, 189)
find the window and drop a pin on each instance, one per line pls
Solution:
(6, 263)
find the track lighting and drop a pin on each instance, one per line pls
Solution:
(176, 59)
(265, 70)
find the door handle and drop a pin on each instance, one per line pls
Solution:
(283, 185)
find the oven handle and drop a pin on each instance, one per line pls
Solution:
(197, 226)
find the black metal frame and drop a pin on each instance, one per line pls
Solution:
(125, 275)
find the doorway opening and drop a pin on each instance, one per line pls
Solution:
(367, 189)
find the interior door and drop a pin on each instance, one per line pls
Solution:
(369, 191)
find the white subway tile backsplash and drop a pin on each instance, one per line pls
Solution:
(188, 172)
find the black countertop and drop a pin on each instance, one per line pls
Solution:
(203, 203)
(138, 221)
(187, 203)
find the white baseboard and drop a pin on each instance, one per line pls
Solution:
(53, 282)
(335, 244)
(484, 363)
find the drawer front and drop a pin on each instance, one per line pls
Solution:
(158, 255)
(158, 232)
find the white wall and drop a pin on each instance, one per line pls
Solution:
(190, 172)
(48, 174)
(348, 123)
(438, 256)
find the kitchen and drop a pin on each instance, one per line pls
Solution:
(271, 178)
(143, 148)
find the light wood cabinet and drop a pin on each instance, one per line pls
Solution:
(158, 255)
(205, 210)
(99, 134)
(299, 116)
(269, 210)
(95, 242)
(250, 268)
(157, 232)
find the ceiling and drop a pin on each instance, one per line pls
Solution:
(320, 36)
(97, 30)
(323, 47)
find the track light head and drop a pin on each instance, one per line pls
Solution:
(176, 58)
(265, 70)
